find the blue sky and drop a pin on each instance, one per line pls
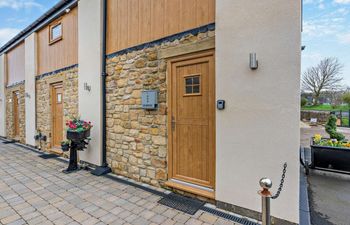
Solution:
(326, 27)
(327, 33)
(15, 15)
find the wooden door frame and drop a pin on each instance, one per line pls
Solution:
(53, 85)
(170, 62)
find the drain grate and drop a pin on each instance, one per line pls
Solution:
(48, 156)
(227, 216)
(8, 142)
(181, 203)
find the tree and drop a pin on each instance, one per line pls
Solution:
(323, 77)
(346, 98)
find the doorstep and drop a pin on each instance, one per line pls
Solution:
(204, 192)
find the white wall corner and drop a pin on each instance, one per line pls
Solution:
(90, 17)
(259, 129)
(2, 96)
(30, 98)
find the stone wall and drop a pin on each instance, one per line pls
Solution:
(10, 131)
(69, 77)
(137, 138)
(321, 116)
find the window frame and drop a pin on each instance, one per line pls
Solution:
(51, 27)
(199, 85)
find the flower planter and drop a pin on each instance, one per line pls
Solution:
(78, 136)
(65, 147)
(330, 157)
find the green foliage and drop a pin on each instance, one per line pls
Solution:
(303, 102)
(346, 98)
(326, 107)
(331, 128)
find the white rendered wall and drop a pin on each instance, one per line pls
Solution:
(89, 71)
(259, 129)
(2, 97)
(30, 73)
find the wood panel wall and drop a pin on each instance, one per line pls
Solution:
(133, 22)
(62, 53)
(15, 64)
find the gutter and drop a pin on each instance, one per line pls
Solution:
(53, 13)
(103, 169)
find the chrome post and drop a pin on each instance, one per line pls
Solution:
(265, 194)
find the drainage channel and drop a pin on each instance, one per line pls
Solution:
(171, 200)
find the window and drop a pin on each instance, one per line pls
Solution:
(59, 98)
(55, 32)
(192, 85)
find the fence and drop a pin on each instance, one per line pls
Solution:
(343, 118)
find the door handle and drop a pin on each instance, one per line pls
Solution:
(173, 122)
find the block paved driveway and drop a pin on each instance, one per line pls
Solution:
(35, 191)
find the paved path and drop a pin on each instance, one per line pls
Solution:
(35, 191)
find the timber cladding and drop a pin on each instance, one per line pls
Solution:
(133, 22)
(62, 53)
(137, 138)
(15, 64)
(15, 112)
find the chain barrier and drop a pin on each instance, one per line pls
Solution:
(279, 190)
(266, 195)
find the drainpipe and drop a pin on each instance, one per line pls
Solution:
(103, 169)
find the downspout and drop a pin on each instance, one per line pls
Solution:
(103, 169)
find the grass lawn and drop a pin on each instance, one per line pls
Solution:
(326, 108)
(345, 122)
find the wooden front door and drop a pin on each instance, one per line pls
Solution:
(57, 114)
(192, 123)
(15, 100)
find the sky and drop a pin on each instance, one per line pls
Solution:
(15, 15)
(326, 33)
(326, 27)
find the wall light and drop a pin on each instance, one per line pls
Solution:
(253, 62)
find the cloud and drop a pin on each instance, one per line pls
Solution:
(342, 1)
(344, 38)
(6, 34)
(20, 4)
(322, 27)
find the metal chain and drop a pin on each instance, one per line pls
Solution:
(282, 182)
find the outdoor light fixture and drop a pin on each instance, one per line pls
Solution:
(253, 62)
(67, 10)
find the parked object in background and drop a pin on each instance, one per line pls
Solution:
(313, 122)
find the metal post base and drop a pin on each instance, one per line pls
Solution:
(101, 170)
(73, 159)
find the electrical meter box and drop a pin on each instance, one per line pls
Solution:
(149, 99)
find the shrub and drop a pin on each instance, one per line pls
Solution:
(303, 102)
(346, 98)
(331, 128)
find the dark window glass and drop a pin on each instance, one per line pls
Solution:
(192, 84)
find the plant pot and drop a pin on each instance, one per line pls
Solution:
(78, 136)
(330, 157)
(65, 147)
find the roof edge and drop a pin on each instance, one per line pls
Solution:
(38, 23)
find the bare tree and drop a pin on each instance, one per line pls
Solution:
(323, 77)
